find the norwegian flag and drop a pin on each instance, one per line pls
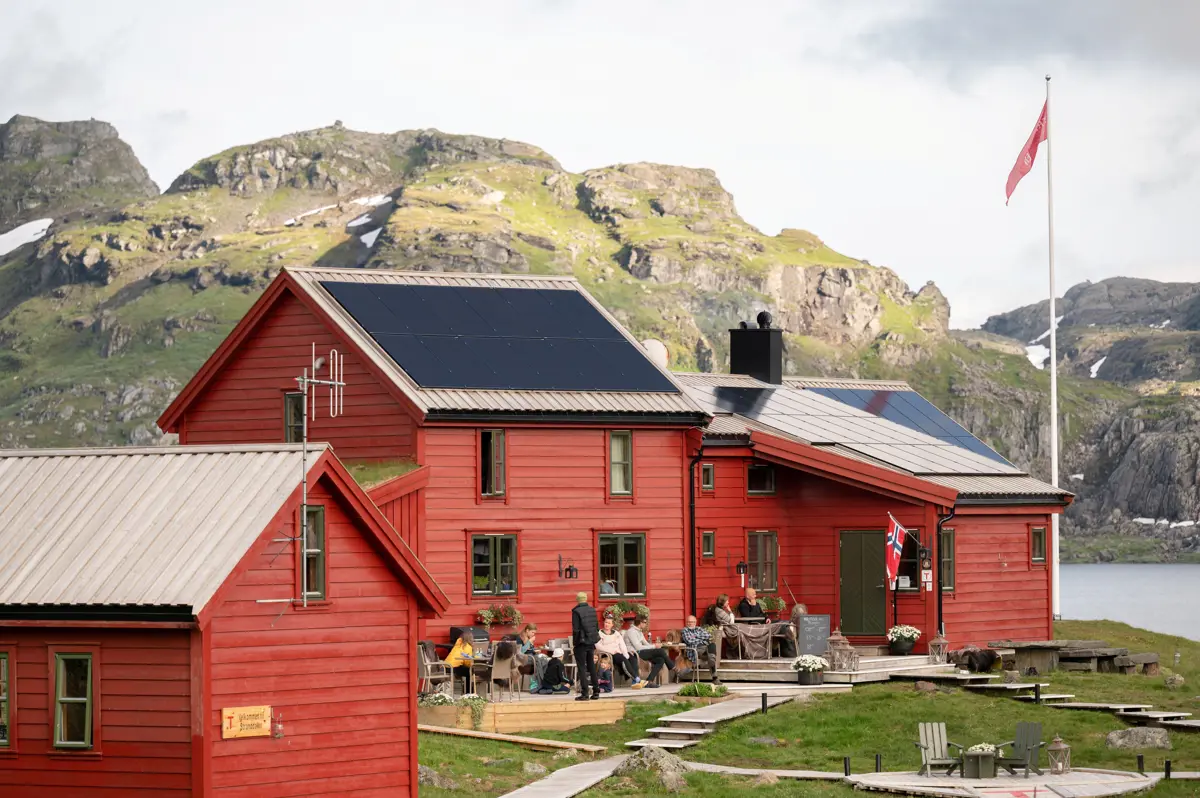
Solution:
(895, 545)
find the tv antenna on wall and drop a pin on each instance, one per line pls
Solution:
(309, 382)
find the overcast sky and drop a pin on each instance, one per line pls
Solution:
(887, 128)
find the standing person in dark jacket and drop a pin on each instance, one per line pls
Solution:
(585, 633)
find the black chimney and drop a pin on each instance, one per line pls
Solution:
(757, 351)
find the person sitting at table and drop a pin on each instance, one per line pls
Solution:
(636, 641)
(526, 645)
(462, 656)
(554, 678)
(722, 614)
(749, 607)
(697, 639)
(612, 643)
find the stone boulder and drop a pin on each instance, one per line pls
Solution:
(925, 687)
(1138, 738)
(429, 777)
(1174, 682)
(652, 759)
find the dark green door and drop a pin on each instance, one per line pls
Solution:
(864, 598)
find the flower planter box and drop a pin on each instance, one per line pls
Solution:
(977, 765)
(450, 717)
(810, 677)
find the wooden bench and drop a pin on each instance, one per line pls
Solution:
(1130, 663)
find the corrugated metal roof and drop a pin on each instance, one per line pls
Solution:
(155, 526)
(434, 400)
(999, 486)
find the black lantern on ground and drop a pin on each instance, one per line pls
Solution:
(570, 572)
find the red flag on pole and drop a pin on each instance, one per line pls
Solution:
(1028, 153)
(895, 547)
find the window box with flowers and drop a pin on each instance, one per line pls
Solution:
(499, 615)
(626, 611)
(810, 669)
(773, 606)
(901, 639)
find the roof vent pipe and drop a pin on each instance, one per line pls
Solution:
(757, 351)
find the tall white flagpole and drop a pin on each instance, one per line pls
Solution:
(1055, 589)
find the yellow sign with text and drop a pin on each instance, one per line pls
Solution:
(245, 722)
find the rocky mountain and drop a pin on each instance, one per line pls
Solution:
(1137, 475)
(60, 169)
(105, 317)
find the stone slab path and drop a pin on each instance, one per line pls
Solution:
(569, 781)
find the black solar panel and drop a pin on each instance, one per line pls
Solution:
(499, 338)
(911, 410)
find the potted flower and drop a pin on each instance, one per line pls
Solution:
(982, 765)
(626, 611)
(902, 638)
(772, 605)
(810, 669)
(499, 615)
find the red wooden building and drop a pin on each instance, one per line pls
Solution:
(146, 593)
(559, 446)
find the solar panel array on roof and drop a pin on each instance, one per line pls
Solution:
(820, 420)
(910, 409)
(499, 338)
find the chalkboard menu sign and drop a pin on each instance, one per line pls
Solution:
(814, 634)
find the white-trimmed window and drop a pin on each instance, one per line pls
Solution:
(620, 463)
(708, 477)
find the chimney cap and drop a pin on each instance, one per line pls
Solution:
(764, 320)
(743, 325)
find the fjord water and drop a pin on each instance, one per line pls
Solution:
(1162, 598)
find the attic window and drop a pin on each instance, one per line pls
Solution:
(314, 553)
(491, 463)
(293, 417)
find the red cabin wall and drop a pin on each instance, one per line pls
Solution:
(999, 594)
(406, 514)
(341, 673)
(807, 513)
(141, 738)
(244, 402)
(556, 504)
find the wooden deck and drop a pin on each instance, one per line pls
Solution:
(569, 781)
(531, 713)
(870, 669)
(685, 729)
(1079, 783)
(536, 743)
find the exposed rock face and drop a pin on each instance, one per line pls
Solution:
(1138, 738)
(54, 169)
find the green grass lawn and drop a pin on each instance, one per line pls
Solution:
(872, 719)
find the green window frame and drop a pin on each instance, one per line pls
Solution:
(946, 552)
(762, 556)
(5, 734)
(493, 565)
(910, 564)
(1037, 544)
(620, 463)
(708, 477)
(492, 477)
(315, 554)
(708, 543)
(293, 417)
(622, 566)
(760, 480)
(73, 700)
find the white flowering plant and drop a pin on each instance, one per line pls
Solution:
(808, 662)
(903, 632)
(984, 748)
(435, 700)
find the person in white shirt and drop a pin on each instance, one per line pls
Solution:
(635, 639)
(612, 643)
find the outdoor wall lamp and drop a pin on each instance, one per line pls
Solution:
(742, 568)
(570, 572)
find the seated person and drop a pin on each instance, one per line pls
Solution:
(698, 639)
(612, 643)
(748, 607)
(554, 678)
(529, 660)
(528, 640)
(604, 672)
(462, 656)
(722, 614)
(636, 641)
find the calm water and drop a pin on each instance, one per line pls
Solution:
(1162, 598)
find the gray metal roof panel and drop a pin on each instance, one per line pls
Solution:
(149, 526)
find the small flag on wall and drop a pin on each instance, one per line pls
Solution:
(895, 546)
(1028, 152)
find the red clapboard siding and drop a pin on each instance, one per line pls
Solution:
(340, 673)
(144, 712)
(244, 403)
(807, 513)
(999, 593)
(557, 501)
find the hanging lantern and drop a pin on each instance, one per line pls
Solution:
(1060, 757)
(742, 568)
(939, 648)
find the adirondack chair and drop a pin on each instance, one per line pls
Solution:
(1025, 749)
(935, 750)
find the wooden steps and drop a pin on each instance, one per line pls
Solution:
(1047, 698)
(946, 678)
(679, 732)
(1002, 688)
(1088, 706)
(569, 781)
(659, 742)
(1152, 717)
(685, 729)
(1181, 725)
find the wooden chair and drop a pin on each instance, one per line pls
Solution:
(935, 750)
(1025, 750)
(432, 672)
(504, 674)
